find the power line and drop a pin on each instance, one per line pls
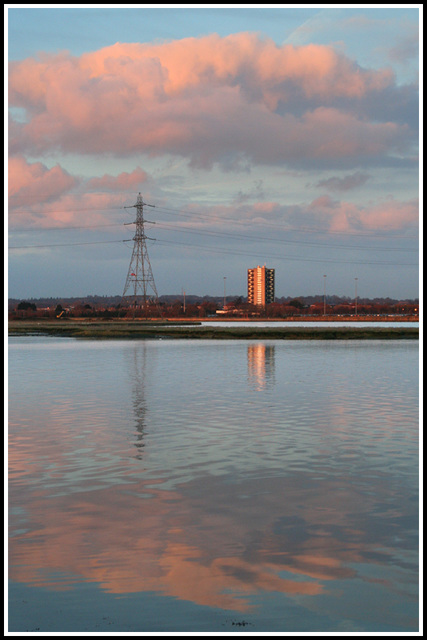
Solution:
(216, 250)
(279, 226)
(221, 234)
(73, 210)
(227, 234)
(276, 240)
(87, 226)
(286, 257)
(212, 218)
(68, 244)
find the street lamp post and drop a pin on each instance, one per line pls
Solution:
(355, 296)
(324, 295)
(225, 278)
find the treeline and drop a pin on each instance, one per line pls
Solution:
(206, 306)
(112, 301)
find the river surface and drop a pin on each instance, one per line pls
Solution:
(213, 486)
(310, 323)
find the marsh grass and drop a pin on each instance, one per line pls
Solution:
(153, 330)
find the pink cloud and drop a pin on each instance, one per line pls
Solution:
(124, 181)
(391, 214)
(42, 197)
(323, 214)
(346, 216)
(73, 209)
(34, 183)
(243, 59)
(209, 99)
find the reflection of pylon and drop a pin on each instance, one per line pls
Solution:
(137, 370)
(140, 286)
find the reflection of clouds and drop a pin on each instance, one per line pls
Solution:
(309, 499)
(144, 552)
(260, 364)
(196, 544)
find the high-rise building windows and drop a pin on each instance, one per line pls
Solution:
(260, 286)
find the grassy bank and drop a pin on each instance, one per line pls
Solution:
(147, 330)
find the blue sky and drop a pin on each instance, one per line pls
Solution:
(277, 135)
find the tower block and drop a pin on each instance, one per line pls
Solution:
(261, 286)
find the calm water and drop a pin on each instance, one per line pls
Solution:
(309, 323)
(213, 486)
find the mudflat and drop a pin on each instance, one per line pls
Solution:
(195, 330)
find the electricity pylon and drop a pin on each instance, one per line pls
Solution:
(140, 281)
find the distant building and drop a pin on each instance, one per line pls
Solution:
(260, 286)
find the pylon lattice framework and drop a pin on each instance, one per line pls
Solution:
(140, 278)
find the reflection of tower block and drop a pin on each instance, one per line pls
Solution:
(140, 289)
(261, 364)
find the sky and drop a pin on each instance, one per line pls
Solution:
(277, 135)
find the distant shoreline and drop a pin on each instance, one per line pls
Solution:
(352, 318)
(152, 329)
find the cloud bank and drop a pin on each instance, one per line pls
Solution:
(29, 182)
(212, 100)
(63, 199)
